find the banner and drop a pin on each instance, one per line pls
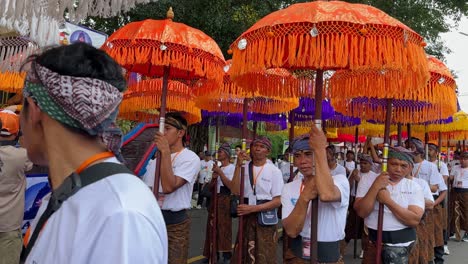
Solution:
(37, 186)
(71, 33)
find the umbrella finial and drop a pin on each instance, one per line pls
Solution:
(170, 13)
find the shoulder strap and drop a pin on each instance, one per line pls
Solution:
(71, 185)
(251, 176)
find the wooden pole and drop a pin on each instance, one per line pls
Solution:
(357, 226)
(162, 121)
(314, 209)
(255, 129)
(408, 130)
(240, 232)
(214, 229)
(292, 121)
(388, 119)
(400, 141)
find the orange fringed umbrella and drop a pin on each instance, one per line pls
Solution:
(13, 51)
(143, 99)
(163, 48)
(332, 35)
(440, 102)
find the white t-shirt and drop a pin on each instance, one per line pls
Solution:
(228, 172)
(425, 188)
(361, 175)
(285, 170)
(350, 165)
(460, 177)
(185, 165)
(114, 220)
(331, 216)
(443, 168)
(269, 182)
(428, 171)
(338, 170)
(404, 193)
(206, 168)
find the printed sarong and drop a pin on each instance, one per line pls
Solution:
(178, 237)
(223, 226)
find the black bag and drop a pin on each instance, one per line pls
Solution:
(234, 203)
(206, 192)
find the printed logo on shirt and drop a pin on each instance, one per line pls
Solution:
(294, 201)
(266, 180)
(407, 192)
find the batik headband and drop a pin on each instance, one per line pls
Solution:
(84, 103)
(301, 144)
(366, 157)
(226, 148)
(175, 123)
(262, 140)
(401, 154)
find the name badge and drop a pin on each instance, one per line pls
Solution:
(306, 247)
(252, 199)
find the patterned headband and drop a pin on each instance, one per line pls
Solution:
(175, 123)
(84, 103)
(262, 140)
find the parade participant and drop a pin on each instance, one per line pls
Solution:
(460, 187)
(428, 171)
(355, 224)
(286, 166)
(204, 177)
(13, 164)
(179, 169)
(423, 248)
(333, 194)
(443, 170)
(403, 201)
(99, 212)
(335, 168)
(349, 163)
(222, 177)
(263, 183)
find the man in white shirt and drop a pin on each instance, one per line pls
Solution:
(286, 166)
(71, 100)
(443, 170)
(263, 183)
(335, 168)
(333, 194)
(460, 188)
(403, 201)
(349, 163)
(179, 169)
(204, 177)
(428, 171)
(221, 186)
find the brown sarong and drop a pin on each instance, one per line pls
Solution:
(292, 259)
(429, 221)
(438, 226)
(460, 213)
(422, 245)
(223, 226)
(259, 242)
(371, 251)
(178, 237)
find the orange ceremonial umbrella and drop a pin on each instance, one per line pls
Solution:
(163, 48)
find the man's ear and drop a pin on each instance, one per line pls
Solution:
(182, 133)
(34, 112)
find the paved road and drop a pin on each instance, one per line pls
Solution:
(458, 250)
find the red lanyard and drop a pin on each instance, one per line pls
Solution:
(175, 156)
(256, 176)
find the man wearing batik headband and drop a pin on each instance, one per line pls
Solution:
(354, 224)
(71, 100)
(333, 194)
(404, 206)
(443, 170)
(179, 170)
(263, 183)
(221, 181)
(429, 172)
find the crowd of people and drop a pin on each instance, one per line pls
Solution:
(99, 212)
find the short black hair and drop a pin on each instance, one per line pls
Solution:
(238, 146)
(331, 148)
(350, 152)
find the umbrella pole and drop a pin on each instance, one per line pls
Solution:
(314, 209)
(162, 120)
(449, 187)
(214, 229)
(357, 226)
(408, 130)
(399, 135)
(426, 140)
(291, 176)
(388, 118)
(240, 232)
(255, 124)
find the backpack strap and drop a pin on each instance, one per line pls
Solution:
(71, 185)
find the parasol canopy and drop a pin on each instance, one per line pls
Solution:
(324, 35)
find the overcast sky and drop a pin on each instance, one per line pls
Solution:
(458, 59)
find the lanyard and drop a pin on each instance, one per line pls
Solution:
(175, 156)
(417, 171)
(256, 176)
(93, 159)
(302, 187)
